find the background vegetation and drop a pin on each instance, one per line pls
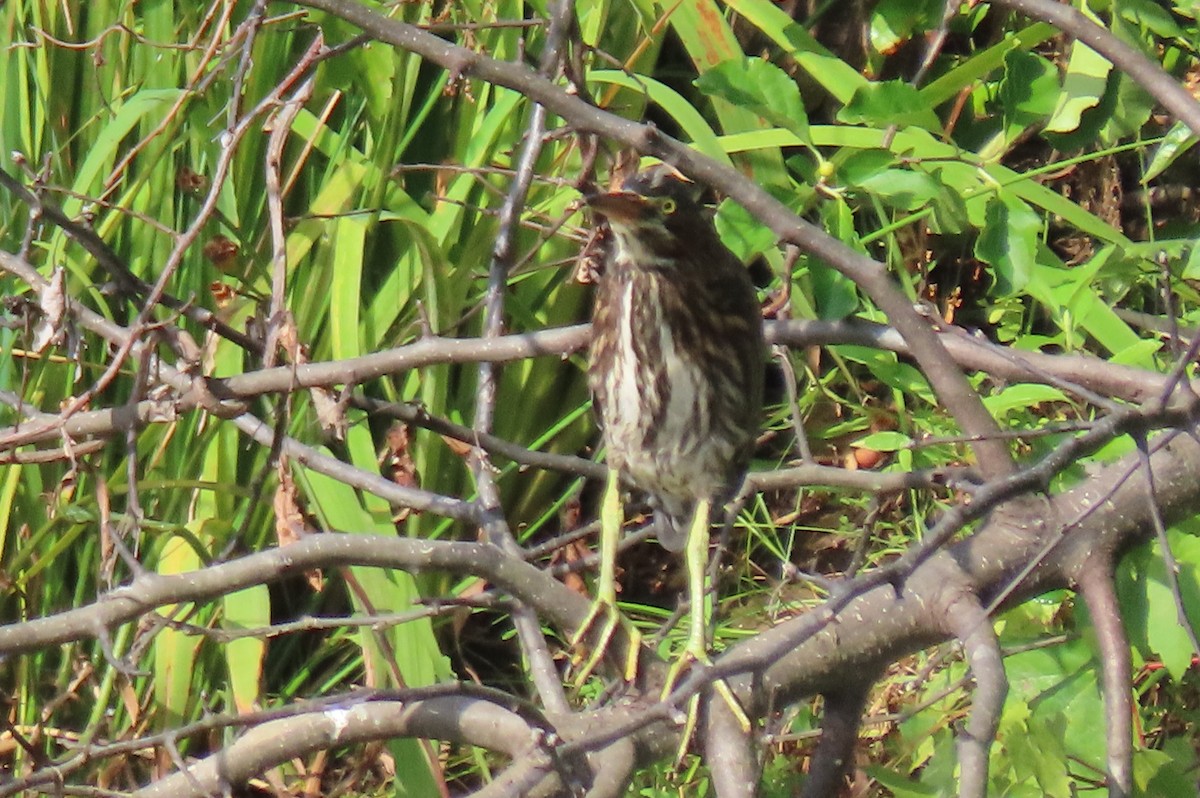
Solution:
(212, 215)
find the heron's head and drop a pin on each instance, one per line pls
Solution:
(656, 214)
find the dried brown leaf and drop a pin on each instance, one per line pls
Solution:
(291, 524)
(222, 252)
(398, 465)
(330, 412)
(53, 303)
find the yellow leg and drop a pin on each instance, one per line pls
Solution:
(605, 603)
(699, 596)
(700, 613)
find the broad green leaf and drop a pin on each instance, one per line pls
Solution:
(885, 441)
(976, 183)
(889, 103)
(1179, 139)
(1032, 751)
(347, 241)
(761, 87)
(742, 233)
(1097, 316)
(1150, 17)
(1158, 773)
(1008, 242)
(903, 189)
(174, 653)
(1023, 396)
(979, 65)
(894, 22)
(889, 370)
(341, 508)
(704, 31)
(834, 294)
(832, 73)
(1124, 110)
(1029, 88)
(1139, 354)
(858, 165)
(899, 785)
(709, 40)
(1165, 635)
(10, 484)
(411, 648)
(1058, 682)
(1084, 85)
(1191, 269)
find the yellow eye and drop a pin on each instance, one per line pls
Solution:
(668, 206)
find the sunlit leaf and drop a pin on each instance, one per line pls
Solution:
(1084, 85)
(761, 87)
(1009, 242)
(889, 103)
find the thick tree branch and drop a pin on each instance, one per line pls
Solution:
(972, 626)
(839, 734)
(465, 720)
(1095, 584)
(809, 654)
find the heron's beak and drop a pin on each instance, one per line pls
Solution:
(620, 206)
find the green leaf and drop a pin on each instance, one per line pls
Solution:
(1140, 354)
(1191, 270)
(834, 295)
(1150, 17)
(246, 609)
(1163, 632)
(742, 233)
(1161, 773)
(977, 67)
(693, 124)
(1179, 139)
(832, 73)
(1009, 242)
(1029, 88)
(148, 105)
(893, 22)
(885, 441)
(904, 189)
(1021, 397)
(709, 40)
(1060, 682)
(899, 785)
(1084, 85)
(174, 651)
(761, 87)
(887, 103)
(861, 165)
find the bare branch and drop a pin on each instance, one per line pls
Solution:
(1095, 583)
(973, 627)
(839, 733)
(466, 720)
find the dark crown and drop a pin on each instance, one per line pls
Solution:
(662, 180)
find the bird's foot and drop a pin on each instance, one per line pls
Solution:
(684, 662)
(585, 657)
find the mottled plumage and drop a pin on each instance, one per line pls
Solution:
(676, 363)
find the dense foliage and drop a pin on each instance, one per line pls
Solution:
(293, 307)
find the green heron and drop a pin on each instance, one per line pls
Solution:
(676, 369)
